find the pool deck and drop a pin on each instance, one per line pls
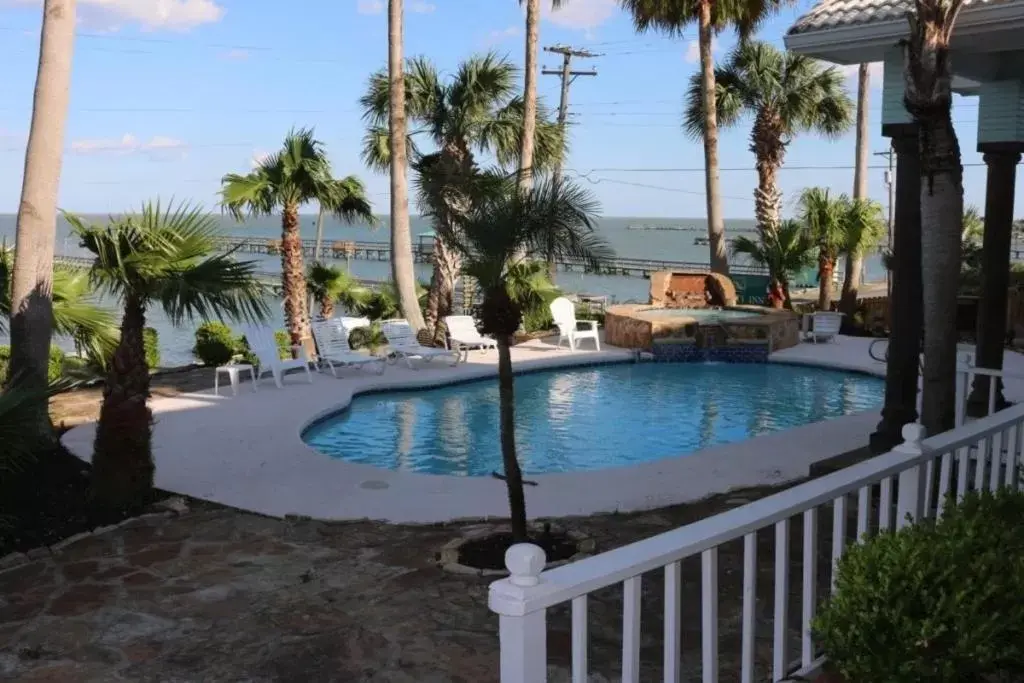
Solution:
(246, 451)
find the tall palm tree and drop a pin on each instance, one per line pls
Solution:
(785, 93)
(823, 217)
(76, 311)
(284, 181)
(928, 97)
(503, 223)
(784, 253)
(330, 285)
(475, 111)
(527, 136)
(402, 271)
(31, 283)
(855, 261)
(711, 16)
(168, 258)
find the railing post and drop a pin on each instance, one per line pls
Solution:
(911, 494)
(522, 635)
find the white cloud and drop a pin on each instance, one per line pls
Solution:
(237, 54)
(130, 144)
(175, 15)
(258, 157)
(580, 15)
(692, 55)
(498, 36)
(421, 7)
(370, 6)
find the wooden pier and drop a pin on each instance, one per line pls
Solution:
(344, 250)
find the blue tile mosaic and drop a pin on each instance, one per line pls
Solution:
(691, 353)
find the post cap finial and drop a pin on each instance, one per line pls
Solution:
(913, 432)
(525, 562)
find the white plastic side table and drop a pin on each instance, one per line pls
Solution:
(232, 372)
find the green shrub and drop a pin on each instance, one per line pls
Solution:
(54, 365)
(584, 312)
(151, 342)
(284, 344)
(371, 338)
(216, 344)
(933, 603)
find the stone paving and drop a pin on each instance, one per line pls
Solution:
(221, 595)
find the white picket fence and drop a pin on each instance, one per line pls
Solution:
(907, 483)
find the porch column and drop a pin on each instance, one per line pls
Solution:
(905, 306)
(1001, 160)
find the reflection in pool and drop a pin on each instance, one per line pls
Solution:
(589, 418)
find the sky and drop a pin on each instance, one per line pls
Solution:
(169, 95)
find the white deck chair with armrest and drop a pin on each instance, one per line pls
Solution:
(403, 344)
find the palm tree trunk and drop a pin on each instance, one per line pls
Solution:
(716, 224)
(327, 308)
(527, 141)
(293, 277)
(855, 260)
(441, 297)
(942, 212)
(826, 268)
(122, 462)
(402, 271)
(513, 474)
(31, 325)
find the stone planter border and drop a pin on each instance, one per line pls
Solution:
(448, 556)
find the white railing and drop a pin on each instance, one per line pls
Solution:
(911, 481)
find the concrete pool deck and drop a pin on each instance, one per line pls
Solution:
(246, 451)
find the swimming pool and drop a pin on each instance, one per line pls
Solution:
(589, 418)
(700, 315)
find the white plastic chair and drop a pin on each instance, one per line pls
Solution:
(463, 335)
(264, 347)
(564, 313)
(402, 343)
(825, 326)
(332, 348)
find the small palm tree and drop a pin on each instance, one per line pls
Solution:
(711, 16)
(783, 253)
(785, 94)
(329, 285)
(823, 217)
(864, 227)
(284, 181)
(164, 257)
(502, 224)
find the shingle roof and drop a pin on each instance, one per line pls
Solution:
(835, 13)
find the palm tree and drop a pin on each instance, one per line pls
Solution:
(864, 226)
(402, 271)
(928, 97)
(156, 257)
(76, 312)
(32, 319)
(823, 217)
(785, 93)
(284, 181)
(711, 16)
(784, 253)
(503, 223)
(527, 135)
(329, 285)
(855, 262)
(474, 112)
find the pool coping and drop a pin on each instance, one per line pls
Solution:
(247, 451)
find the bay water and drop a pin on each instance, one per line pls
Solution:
(634, 237)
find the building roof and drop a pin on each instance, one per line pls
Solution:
(830, 14)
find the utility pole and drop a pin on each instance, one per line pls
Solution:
(568, 76)
(890, 183)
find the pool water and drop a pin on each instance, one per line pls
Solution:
(589, 418)
(699, 314)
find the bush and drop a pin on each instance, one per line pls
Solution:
(216, 344)
(151, 342)
(933, 603)
(284, 344)
(54, 366)
(537, 318)
(371, 338)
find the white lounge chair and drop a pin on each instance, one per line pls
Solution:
(264, 347)
(332, 347)
(463, 335)
(564, 313)
(402, 343)
(825, 326)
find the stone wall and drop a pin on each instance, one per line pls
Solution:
(626, 332)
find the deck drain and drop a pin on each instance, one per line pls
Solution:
(374, 485)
